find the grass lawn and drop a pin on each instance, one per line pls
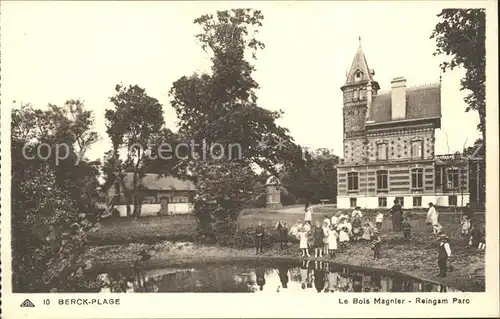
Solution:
(121, 239)
(180, 227)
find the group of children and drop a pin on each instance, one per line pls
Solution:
(474, 232)
(337, 232)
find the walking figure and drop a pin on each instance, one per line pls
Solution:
(433, 219)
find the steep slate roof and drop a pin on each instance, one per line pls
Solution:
(421, 102)
(154, 182)
(359, 63)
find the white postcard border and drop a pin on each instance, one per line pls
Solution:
(190, 305)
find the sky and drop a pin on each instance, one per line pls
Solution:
(56, 51)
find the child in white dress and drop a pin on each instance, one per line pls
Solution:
(332, 241)
(367, 232)
(335, 219)
(326, 230)
(303, 242)
(465, 225)
(378, 220)
(348, 225)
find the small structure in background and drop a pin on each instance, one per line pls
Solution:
(160, 195)
(273, 199)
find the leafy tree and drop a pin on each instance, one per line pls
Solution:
(134, 124)
(223, 189)
(469, 150)
(50, 201)
(221, 107)
(316, 179)
(460, 33)
(73, 120)
(168, 150)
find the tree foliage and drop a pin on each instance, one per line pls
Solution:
(460, 34)
(221, 107)
(51, 200)
(134, 124)
(316, 179)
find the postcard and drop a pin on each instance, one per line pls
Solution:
(185, 159)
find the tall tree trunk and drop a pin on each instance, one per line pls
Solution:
(126, 193)
(136, 186)
(482, 172)
(128, 198)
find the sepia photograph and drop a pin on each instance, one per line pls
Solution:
(248, 147)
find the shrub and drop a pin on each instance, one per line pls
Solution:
(288, 198)
(223, 190)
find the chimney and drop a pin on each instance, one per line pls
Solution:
(398, 98)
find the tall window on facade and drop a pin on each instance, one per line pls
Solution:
(382, 151)
(417, 201)
(452, 200)
(382, 180)
(417, 178)
(362, 94)
(382, 202)
(353, 202)
(438, 177)
(452, 178)
(416, 149)
(352, 181)
(401, 201)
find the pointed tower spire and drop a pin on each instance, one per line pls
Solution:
(359, 70)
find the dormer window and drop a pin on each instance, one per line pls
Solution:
(357, 75)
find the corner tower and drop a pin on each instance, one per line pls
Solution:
(358, 90)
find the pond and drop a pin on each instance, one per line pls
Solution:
(264, 276)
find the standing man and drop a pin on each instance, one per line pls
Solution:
(283, 234)
(444, 251)
(397, 216)
(259, 238)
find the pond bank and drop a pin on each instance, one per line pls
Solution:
(415, 259)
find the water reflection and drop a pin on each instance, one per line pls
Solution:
(270, 277)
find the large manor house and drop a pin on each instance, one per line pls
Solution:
(389, 143)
